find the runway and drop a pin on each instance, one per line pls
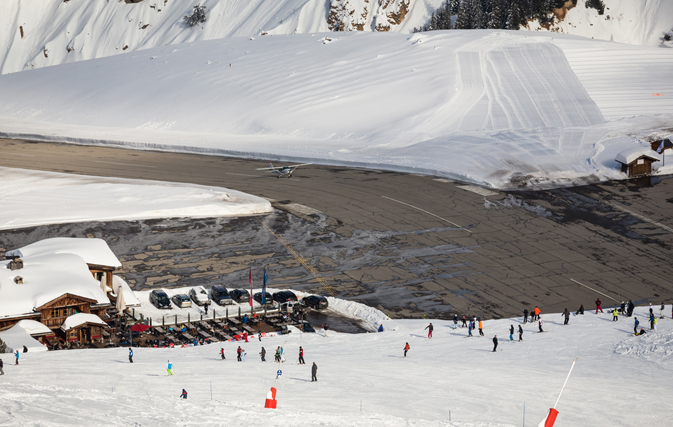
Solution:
(410, 245)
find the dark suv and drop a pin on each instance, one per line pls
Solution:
(159, 299)
(220, 295)
(268, 299)
(284, 296)
(240, 295)
(316, 302)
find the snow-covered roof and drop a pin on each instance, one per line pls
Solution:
(630, 154)
(130, 298)
(45, 278)
(80, 319)
(33, 327)
(92, 251)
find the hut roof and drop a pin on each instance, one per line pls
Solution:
(92, 251)
(631, 154)
(80, 319)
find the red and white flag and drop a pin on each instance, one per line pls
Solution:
(250, 280)
(550, 419)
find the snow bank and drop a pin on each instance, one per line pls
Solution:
(498, 108)
(371, 316)
(59, 198)
(16, 337)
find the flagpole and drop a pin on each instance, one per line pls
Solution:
(565, 382)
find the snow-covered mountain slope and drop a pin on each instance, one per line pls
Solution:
(493, 107)
(640, 22)
(619, 380)
(35, 33)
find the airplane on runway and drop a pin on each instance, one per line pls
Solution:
(282, 170)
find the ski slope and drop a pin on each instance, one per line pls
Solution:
(363, 380)
(498, 108)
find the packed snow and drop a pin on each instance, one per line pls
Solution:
(60, 198)
(498, 108)
(363, 379)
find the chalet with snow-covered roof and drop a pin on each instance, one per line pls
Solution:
(637, 161)
(66, 284)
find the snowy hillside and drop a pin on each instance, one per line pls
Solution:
(493, 107)
(37, 33)
(640, 22)
(620, 380)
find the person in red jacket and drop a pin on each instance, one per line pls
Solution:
(301, 356)
(429, 328)
(598, 305)
(406, 348)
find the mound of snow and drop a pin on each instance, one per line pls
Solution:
(17, 336)
(656, 346)
(59, 198)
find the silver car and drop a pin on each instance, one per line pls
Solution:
(199, 295)
(181, 300)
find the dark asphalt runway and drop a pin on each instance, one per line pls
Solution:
(409, 245)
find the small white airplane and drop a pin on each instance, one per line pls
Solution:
(282, 170)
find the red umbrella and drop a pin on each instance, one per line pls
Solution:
(139, 328)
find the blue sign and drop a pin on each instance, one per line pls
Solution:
(279, 373)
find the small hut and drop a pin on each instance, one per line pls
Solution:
(637, 161)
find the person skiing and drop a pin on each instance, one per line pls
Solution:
(651, 322)
(429, 328)
(239, 350)
(314, 372)
(301, 356)
(282, 354)
(245, 336)
(525, 315)
(630, 309)
(580, 310)
(622, 308)
(406, 348)
(263, 354)
(598, 305)
(566, 314)
(184, 394)
(277, 356)
(615, 315)
(481, 332)
(537, 312)
(520, 333)
(17, 357)
(655, 323)
(495, 342)
(130, 355)
(511, 333)
(635, 327)
(651, 310)
(469, 329)
(661, 311)
(2, 365)
(222, 353)
(169, 368)
(539, 324)
(464, 325)
(455, 321)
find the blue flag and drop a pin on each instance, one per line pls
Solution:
(264, 287)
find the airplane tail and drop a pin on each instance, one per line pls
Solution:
(270, 165)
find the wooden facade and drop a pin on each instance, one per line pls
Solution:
(83, 333)
(54, 313)
(639, 167)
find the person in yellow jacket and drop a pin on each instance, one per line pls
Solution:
(481, 329)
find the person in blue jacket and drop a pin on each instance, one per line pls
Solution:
(17, 357)
(380, 328)
(635, 327)
(130, 355)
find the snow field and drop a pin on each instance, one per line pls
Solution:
(619, 379)
(60, 198)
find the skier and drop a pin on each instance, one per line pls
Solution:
(245, 335)
(169, 368)
(635, 327)
(455, 321)
(429, 328)
(520, 333)
(130, 355)
(598, 305)
(481, 332)
(566, 314)
(184, 394)
(238, 353)
(630, 308)
(263, 354)
(651, 310)
(525, 315)
(17, 357)
(511, 333)
(2, 364)
(539, 324)
(622, 308)
(314, 372)
(301, 356)
(651, 322)
(282, 354)
(580, 310)
(222, 353)
(243, 353)
(495, 342)
(536, 311)
(469, 329)
(655, 323)
(277, 356)
(661, 311)
(464, 325)
(615, 315)
(406, 348)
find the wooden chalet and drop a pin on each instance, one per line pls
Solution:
(637, 161)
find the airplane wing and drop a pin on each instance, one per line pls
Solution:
(293, 167)
(267, 169)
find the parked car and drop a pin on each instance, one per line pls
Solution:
(315, 301)
(199, 295)
(306, 327)
(220, 295)
(268, 297)
(159, 299)
(294, 308)
(181, 300)
(240, 295)
(284, 296)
